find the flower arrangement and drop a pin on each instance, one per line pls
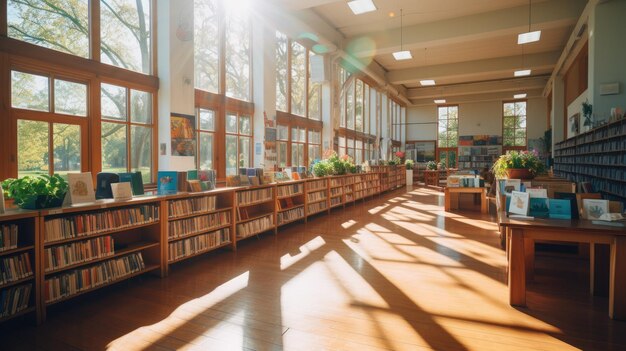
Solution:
(517, 160)
(332, 164)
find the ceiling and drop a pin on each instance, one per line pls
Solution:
(469, 47)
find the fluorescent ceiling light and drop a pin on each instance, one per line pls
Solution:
(427, 82)
(529, 37)
(361, 6)
(402, 55)
(522, 73)
(440, 101)
(519, 96)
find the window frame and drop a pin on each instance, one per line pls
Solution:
(448, 149)
(505, 147)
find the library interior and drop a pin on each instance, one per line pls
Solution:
(312, 175)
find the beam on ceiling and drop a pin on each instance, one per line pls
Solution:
(510, 85)
(501, 96)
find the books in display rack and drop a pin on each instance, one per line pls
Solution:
(519, 203)
(573, 202)
(136, 181)
(537, 193)
(539, 207)
(121, 191)
(81, 188)
(593, 209)
(560, 208)
(194, 185)
(167, 182)
(509, 185)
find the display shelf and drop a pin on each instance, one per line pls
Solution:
(198, 253)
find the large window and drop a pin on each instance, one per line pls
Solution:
(238, 142)
(315, 96)
(298, 146)
(127, 128)
(298, 79)
(237, 54)
(448, 135)
(514, 124)
(282, 72)
(206, 45)
(206, 138)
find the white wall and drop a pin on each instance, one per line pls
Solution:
(475, 118)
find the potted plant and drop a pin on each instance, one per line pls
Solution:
(409, 171)
(37, 191)
(518, 165)
(587, 113)
(431, 165)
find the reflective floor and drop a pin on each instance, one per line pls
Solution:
(392, 273)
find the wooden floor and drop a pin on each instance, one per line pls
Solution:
(393, 273)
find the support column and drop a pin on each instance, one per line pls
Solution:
(263, 88)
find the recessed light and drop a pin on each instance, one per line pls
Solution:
(361, 6)
(522, 73)
(519, 96)
(392, 14)
(529, 37)
(402, 55)
(440, 101)
(427, 82)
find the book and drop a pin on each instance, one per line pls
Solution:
(122, 191)
(519, 203)
(509, 185)
(539, 207)
(207, 175)
(593, 209)
(585, 187)
(103, 184)
(194, 185)
(537, 193)
(167, 182)
(581, 197)
(81, 188)
(136, 181)
(255, 181)
(206, 185)
(192, 174)
(573, 202)
(454, 181)
(233, 180)
(181, 184)
(560, 208)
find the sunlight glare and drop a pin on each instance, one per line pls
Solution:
(287, 260)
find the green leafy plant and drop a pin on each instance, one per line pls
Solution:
(517, 160)
(587, 111)
(431, 165)
(38, 191)
(320, 168)
(409, 164)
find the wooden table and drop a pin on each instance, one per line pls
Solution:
(431, 177)
(521, 235)
(452, 198)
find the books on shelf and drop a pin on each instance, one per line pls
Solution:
(253, 196)
(194, 225)
(336, 191)
(78, 280)
(285, 203)
(335, 201)
(316, 196)
(8, 237)
(85, 224)
(14, 268)
(197, 244)
(57, 257)
(316, 185)
(14, 300)
(290, 190)
(291, 215)
(183, 207)
(316, 207)
(256, 226)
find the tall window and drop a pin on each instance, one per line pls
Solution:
(315, 145)
(315, 96)
(206, 138)
(514, 124)
(238, 142)
(448, 134)
(237, 53)
(298, 142)
(126, 115)
(283, 145)
(282, 72)
(206, 45)
(298, 79)
(44, 146)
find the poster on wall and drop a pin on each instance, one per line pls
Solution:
(270, 158)
(422, 151)
(183, 134)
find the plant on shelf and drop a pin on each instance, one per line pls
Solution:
(518, 165)
(409, 164)
(431, 165)
(36, 191)
(587, 113)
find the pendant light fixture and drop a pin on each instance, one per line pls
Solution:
(529, 37)
(402, 54)
(522, 72)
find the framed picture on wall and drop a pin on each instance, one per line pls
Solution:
(573, 125)
(424, 150)
(183, 134)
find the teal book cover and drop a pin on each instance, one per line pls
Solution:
(192, 174)
(135, 180)
(560, 209)
(539, 207)
(167, 182)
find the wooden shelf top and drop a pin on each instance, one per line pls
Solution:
(17, 213)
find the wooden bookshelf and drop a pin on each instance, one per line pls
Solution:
(21, 228)
(290, 202)
(316, 195)
(597, 156)
(256, 211)
(335, 192)
(348, 189)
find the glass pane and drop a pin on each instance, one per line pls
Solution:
(298, 79)
(70, 98)
(443, 112)
(66, 145)
(29, 91)
(314, 153)
(206, 150)
(509, 122)
(521, 122)
(231, 123)
(206, 45)
(509, 109)
(32, 147)
(283, 132)
(114, 147)
(520, 109)
(520, 133)
(342, 109)
(520, 141)
(125, 34)
(297, 154)
(452, 159)
(281, 72)
(57, 25)
(314, 101)
(282, 154)
(359, 107)
(113, 101)
(141, 151)
(350, 106)
(231, 155)
(244, 125)
(237, 54)
(207, 120)
(342, 142)
(140, 106)
(314, 137)
(244, 152)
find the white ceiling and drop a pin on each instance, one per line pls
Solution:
(455, 42)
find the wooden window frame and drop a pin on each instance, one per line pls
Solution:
(199, 132)
(514, 147)
(293, 121)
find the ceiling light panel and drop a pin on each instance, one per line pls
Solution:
(522, 73)
(427, 82)
(440, 101)
(361, 6)
(402, 55)
(519, 96)
(529, 37)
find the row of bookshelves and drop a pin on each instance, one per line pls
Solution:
(79, 249)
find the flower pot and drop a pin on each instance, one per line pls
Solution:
(37, 202)
(409, 177)
(519, 173)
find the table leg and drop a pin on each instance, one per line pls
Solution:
(617, 283)
(484, 205)
(454, 201)
(600, 262)
(517, 268)
(529, 258)
(447, 200)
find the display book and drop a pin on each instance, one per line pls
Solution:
(172, 182)
(464, 181)
(18, 237)
(92, 246)
(290, 202)
(198, 223)
(256, 210)
(316, 191)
